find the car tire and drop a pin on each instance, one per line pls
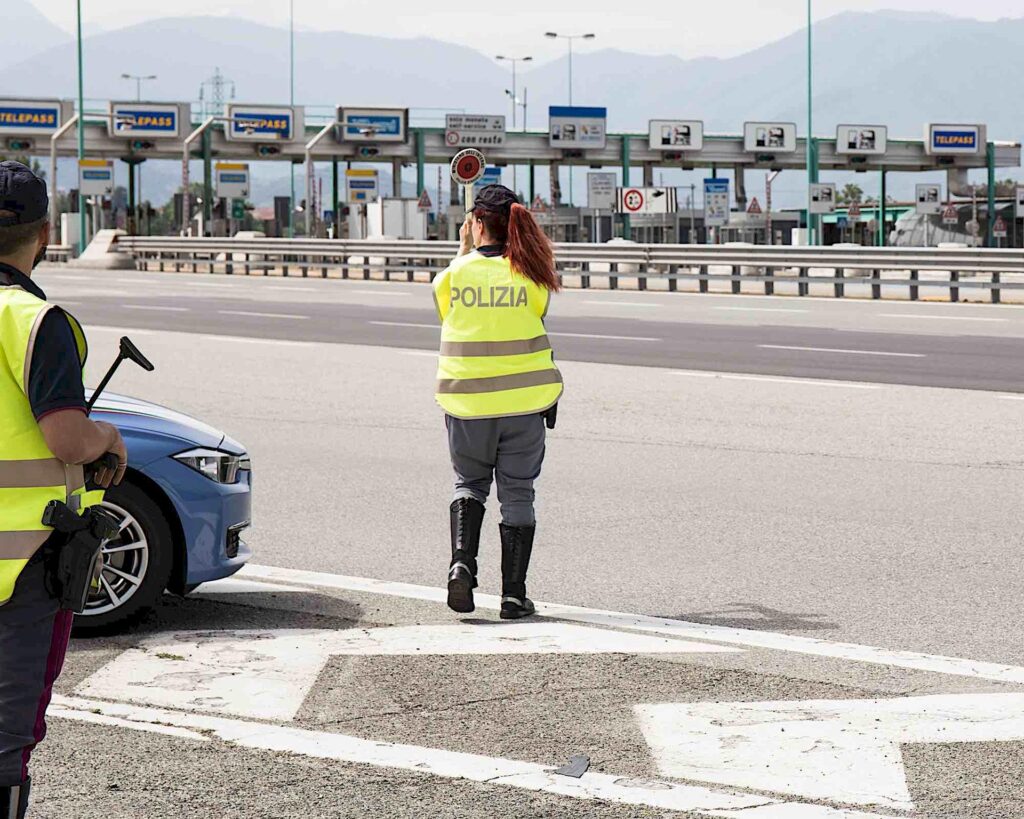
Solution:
(134, 577)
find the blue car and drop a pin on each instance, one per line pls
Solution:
(181, 511)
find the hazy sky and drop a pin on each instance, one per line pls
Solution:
(684, 27)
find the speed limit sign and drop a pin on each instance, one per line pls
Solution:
(467, 167)
(633, 200)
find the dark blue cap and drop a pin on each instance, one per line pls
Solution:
(23, 194)
(495, 198)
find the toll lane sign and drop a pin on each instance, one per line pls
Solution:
(716, 202)
(372, 124)
(261, 122)
(473, 131)
(133, 119)
(96, 177)
(32, 117)
(232, 180)
(361, 185)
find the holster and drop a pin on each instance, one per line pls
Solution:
(78, 562)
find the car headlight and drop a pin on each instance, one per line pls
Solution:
(222, 467)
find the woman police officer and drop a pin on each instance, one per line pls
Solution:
(498, 385)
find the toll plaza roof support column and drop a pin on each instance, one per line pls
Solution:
(421, 164)
(740, 183)
(396, 178)
(54, 204)
(186, 203)
(335, 198)
(311, 176)
(882, 238)
(627, 227)
(207, 182)
(649, 174)
(533, 183)
(990, 156)
(130, 221)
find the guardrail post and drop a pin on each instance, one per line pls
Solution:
(913, 288)
(246, 264)
(954, 291)
(344, 265)
(160, 260)
(584, 277)
(803, 287)
(641, 282)
(736, 284)
(876, 289)
(769, 281)
(366, 268)
(995, 289)
(613, 281)
(840, 285)
(703, 281)
(673, 282)
(229, 268)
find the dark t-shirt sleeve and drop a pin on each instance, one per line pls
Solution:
(55, 376)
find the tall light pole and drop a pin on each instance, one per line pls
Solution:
(139, 79)
(812, 159)
(81, 135)
(515, 103)
(554, 35)
(291, 102)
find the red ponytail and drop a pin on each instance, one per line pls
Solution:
(529, 250)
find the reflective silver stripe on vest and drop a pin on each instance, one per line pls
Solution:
(75, 478)
(32, 474)
(538, 378)
(474, 349)
(21, 545)
(32, 343)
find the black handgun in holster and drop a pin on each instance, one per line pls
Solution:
(78, 561)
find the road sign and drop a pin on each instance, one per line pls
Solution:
(928, 198)
(646, 200)
(823, 197)
(843, 222)
(96, 177)
(473, 130)
(954, 139)
(372, 124)
(573, 127)
(424, 203)
(632, 200)
(845, 751)
(675, 135)
(259, 123)
(468, 166)
(601, 191)
(999, 228)
(716, 202)
(862, 140)
(1018, 203)
(361, 185)
(491, 176)
(950, 216)
(539, 205)
(769, 137)
(32, 117)
(853, 212)
(148, 119)
(754, 209)
(232, 180)
(237, 208)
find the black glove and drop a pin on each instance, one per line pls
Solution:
(550, 416)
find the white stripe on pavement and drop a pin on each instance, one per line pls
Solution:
(154, 308)
(832, 350)
(760, 310)
(378, 292)
(611, 338)
(528, 776)
(940, 318)
(622, 303)
(261, 315)
(404, 324)
(657, 625)
(811, 382)
(1012, 397)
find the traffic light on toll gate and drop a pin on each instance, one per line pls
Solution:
(20, 144)
(366, 151)
(142, 145)
(267, 150)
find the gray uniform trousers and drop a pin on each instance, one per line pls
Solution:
(33, 640)
(510, 450)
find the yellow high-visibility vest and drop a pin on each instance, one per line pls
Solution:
(495, 359)
(30, 475)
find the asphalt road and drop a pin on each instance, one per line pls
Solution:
(923, 344)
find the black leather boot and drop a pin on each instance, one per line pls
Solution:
(516, 547)
(467, 516)
(14, 800)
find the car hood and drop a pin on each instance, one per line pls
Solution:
(145, 416)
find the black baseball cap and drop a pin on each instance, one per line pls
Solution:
(23, 194)
(495, 198)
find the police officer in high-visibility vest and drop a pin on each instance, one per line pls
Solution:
(498, 384)
(45, 439)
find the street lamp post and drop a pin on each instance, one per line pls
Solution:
(554, 35)
(291, 101)
(81, 134)
(139, 79)
(515, 102)
(812, 153)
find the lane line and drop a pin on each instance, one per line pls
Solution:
(404, 324)
(940, 318)
(379, 293)
(1012, 397)
(261, 315)
(832, 350)
(852, 652)
(424, 353)
(612, 338)
(155, 308)
(622, 303)
(813, 382)
(760, 310)
(528, 776)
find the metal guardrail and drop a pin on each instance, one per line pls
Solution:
(770, 265)
(59, 253)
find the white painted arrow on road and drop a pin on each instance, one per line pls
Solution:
(844, 751)
(267, 674)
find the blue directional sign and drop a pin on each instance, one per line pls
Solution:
(132, 119)
(261, 122)
(30, 117)
(372, 124)
(954, 139)
(492, 176)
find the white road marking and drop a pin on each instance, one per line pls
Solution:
(939, 318)
(237, 585)
(840, 750)
(831, 350)
(813, 382)
(269, 674)
(975, 669)
(760, 310)
(1012, 397)
(64, 277)
(622, 303)
(423, 353)
(611, 338)
(378, 292)
(262, 315)
(528, 776)
(403, 324)
(155, 308)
